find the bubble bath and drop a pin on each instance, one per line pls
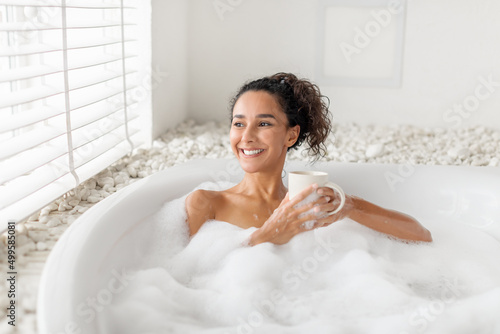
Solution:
(343, 278)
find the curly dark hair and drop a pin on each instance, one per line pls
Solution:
(303, 105)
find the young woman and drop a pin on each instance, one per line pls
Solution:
(269, 117)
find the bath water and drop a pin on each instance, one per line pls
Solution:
(344, 278)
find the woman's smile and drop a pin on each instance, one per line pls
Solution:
(251, 153)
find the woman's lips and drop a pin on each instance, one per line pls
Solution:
(251, 153)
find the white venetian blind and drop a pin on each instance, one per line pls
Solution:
(67, 68)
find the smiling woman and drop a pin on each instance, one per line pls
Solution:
(269, 117)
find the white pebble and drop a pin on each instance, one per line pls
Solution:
(22, 240)
(349, 157)
(132, 171)
(142, 174)
(95, 193)
(155, 165)
(38, 235)
(41, 246)
(82, 209)
(119, 179)
(63, 206)
(44, 219)
(460, 152)
(90, 184)
(478, 162)
(74, 202)
(106, 181)
(374, 150)
(494, 162)
(84, 193)
(93, 199)
(34, 217)
(53, 222)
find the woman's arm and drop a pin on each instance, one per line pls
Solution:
(288, 220)
(390, 222)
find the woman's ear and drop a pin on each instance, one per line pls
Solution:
(293, 135)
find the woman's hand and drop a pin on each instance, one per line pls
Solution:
(331, 205)
(289, 219)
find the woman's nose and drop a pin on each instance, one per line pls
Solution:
(249, 134)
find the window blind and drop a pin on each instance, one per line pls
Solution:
(67, 70)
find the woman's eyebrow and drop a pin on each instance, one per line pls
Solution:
(266, 116)
(258, 116)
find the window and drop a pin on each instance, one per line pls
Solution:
(68, 70)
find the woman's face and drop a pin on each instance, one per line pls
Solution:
(260, 134)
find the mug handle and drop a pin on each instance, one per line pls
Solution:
(338, 189)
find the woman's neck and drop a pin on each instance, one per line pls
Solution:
(266, 186)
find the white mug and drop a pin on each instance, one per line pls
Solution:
(299, 180)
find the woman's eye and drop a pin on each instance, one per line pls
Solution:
(237, 124)
(265, 124)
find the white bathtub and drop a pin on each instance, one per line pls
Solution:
(78, 266)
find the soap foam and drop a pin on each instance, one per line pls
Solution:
(342, 278)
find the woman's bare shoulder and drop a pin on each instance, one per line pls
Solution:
(200, 207)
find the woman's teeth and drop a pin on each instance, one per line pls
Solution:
(252, 152)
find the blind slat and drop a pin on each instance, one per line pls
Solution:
(28, 140)
(28, 117)
(94, 80)
(82, 4)
(27, 206)
(26, 26)
(96, 60)
(95, 132)
(24, 186)
(32, 26)
(82, 119)
(27, 72)
(28, 161)
(24, 50)
(105, 144)
(32, 3)
(102, 94)
(28, 95)
(72, 45)
(102, 161)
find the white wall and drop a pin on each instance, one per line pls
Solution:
(448, 46)
(169, 64)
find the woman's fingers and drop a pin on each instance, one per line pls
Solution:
(303, 194)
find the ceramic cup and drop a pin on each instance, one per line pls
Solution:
(299, 180)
